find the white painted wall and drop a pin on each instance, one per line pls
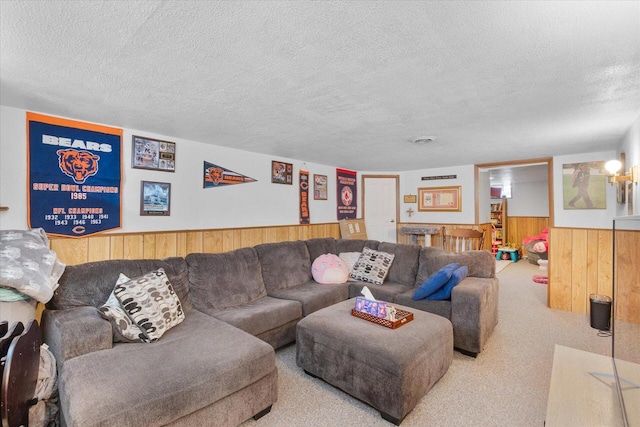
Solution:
(484, 197)
(582, 218)
(631, 148)
(264, 204)
(412, 180)
(529, 199)
(192, 207)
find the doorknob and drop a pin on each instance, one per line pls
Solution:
(393, 220)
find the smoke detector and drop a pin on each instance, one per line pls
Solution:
(423, 140)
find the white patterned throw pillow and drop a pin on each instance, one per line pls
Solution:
(124, 330)
(372, 266)
(151, 303)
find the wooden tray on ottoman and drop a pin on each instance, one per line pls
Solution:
(402, 318)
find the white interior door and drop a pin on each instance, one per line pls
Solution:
(381, 208)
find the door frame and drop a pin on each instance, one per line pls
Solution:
(397, 179)
(547, 160)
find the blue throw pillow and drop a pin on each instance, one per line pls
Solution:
(445, 291)
(435, 281)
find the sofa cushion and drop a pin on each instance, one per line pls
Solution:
(445, 292)
(124, 329)
(372, 266)
(329, 268)
(314, 296)
(91, 283)
(383, 293)
(320, 246)
(441, 308)
(195, 364)
(405, 264)
(480, 263)
(260, 315)
(436, 281)
(278, 258)
(226, 279)
(151, 303)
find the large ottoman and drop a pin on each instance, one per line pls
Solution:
(390, 369)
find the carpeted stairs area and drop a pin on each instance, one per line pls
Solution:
(506, 385)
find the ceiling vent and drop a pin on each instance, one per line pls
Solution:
(423, 140)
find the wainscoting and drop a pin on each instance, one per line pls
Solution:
(180, 243)
(580, 260)
(581, 264)
(519, 227)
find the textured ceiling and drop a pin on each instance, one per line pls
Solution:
(342, 83)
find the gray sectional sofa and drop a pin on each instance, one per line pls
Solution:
(218, 365)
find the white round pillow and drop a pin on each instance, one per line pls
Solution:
(329, 269)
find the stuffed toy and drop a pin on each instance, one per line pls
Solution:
(537, 246)
(329, 269)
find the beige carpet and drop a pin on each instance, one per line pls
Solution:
(506, 385)
(502, 264)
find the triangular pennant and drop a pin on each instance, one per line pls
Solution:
(217, 176)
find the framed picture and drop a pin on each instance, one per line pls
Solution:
(434, 199)
(155, 198)
(281, 173)
(584, 185)
(410, 198)
(319, 187)
(148, 153)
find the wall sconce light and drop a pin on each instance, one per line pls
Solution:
(613, 166)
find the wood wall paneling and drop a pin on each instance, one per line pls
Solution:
(116, 247)
(133, 247)
(592, 263)
(560, 264)
(580, 260)
(180, 243)
(578, 271)
(193, 242)
(519, 227)
(98, 248)
(580, 264)
(627, 276)
(604, 262)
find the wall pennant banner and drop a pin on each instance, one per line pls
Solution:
(74, 172)
(217, 176)
(346, 191)
(305, 217)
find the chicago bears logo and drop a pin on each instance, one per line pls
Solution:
(216, 174)
(79, 165)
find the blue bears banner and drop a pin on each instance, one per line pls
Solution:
(74, 172)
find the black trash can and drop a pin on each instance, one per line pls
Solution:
(600, 311)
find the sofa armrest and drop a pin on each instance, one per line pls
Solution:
(474, 312)
(76, 331)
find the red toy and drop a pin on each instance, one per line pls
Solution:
(537, 246)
